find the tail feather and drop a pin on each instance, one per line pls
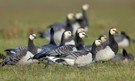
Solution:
(6, 50)
(9, 51)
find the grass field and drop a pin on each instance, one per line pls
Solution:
(18, 18)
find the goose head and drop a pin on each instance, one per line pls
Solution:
(85, 7)
(82, 35)
(78, 15)
(32, 36)
(98, 42)
(70, 16)
(81, 32)
(103, 38)
(113, 31)
(67, 34)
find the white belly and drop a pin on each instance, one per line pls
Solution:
(84, 60)
(70, 62)
(24, 60)
(105, 54)
(124, 43)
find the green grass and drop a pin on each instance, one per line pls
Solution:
(17, 19)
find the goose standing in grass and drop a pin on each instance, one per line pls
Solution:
(82, 18)
(22, 55)
(108, 51)
(64, 39)
(63, 48)
(12, 51)
(60, 28)
(123, 57)
(122, 39)
(76, 58)
(47, 47)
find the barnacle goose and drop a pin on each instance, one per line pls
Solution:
(122, 39)
(60, 28)
(82, 18)
(65, 38)
(22, 55)
(51, 45)
(76, 58)
(80, 33)
(103, 39)
(108, 51)
(123, 57)
(66, 48)
(12, 51)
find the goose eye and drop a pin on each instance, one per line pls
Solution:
(114, 30)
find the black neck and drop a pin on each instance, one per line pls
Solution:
(62, 40)
(79, 42)
(93, 50)
(125, 53)
(68, 22)
(31, 47)
(85, 17)
(111, 38)
(69, 25)
(112, 43)
(52, 38)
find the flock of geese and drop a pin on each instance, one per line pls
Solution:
(66, 45)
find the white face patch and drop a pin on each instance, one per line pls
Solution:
(70, 16)
(103, 39)
(85, 7)
(82, 34)
(78, 15)
(98, 42)
(34, 35)
(31, 37)
(113, 31)
(67, 34)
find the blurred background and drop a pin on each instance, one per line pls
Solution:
(20, 17)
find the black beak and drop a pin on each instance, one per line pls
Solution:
(116, 32)
(72, 35)
(35, 37)
(86, 36)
